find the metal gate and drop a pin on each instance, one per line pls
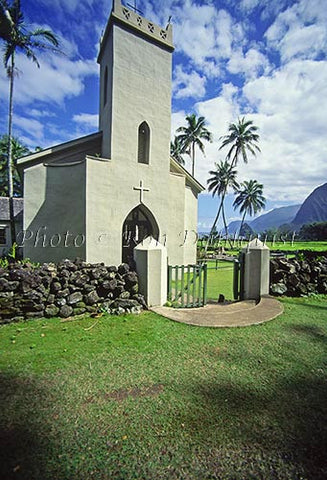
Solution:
(238, 278)
(187, 285)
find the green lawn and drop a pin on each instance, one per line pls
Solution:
(220, 280)
(297, 245)
(141, 397)
(316, 246)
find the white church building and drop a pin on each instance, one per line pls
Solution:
(98, 196)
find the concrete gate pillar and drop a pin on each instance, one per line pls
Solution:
(151, 266)
(256, 270)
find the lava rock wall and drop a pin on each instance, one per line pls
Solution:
(67, 289)
(302, 275)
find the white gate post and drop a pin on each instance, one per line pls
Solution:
(151, 266)
(256, 270)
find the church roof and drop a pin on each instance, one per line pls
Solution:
(179, 169)
(4, 208)
(78, 145)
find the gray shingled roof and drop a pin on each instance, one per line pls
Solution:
(4, 208)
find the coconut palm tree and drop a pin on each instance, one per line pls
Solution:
(192, 136)
(177, 150)
(242, 138)
(249, 199)
(221, 179)
(18, 38)
(18, 150)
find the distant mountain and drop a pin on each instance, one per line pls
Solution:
(314, 207)
(234, 226)
(275, 218)
(272, 219)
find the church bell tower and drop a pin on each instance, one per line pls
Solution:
(135, 89)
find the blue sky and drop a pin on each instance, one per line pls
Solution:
(265, 59)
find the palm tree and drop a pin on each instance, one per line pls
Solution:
(242, 138)
(177, 150)
(18, 38)
(221, 179)
(18, 150)
(249, 199)
(192, 136)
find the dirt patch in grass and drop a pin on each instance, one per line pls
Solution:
(135, 392)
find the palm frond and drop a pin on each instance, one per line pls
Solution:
(46, 34)
(242, 139)
(192, 135)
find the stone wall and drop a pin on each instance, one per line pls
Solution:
(67, 289)
(302, 275)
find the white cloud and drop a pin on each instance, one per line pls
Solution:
(41, 113)
(177, 119)
(87, 120)
(297, 95)
(268, 8)
(304, 42)
(206, 35)
(251, 64)
(58, 78)
(195, 33)
(299, 31)
(188, 84)
(71, 6)
(249, 5)
(35, 129)
(225, 30)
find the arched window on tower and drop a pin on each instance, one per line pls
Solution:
(105, 87)
(143, 152)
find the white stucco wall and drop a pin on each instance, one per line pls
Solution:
(191, 221)
(110, 198)
(54, 212)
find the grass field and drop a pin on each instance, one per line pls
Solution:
(316, 246)
(220, 280)
(141, 397)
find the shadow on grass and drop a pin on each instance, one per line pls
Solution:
(281, 428)
(305, 305)
(314, 332)
(25, 445)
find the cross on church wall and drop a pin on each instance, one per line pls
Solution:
(141, 189)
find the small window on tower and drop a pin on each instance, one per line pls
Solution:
(105, 87)
(143, 153)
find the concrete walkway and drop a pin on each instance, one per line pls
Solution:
(238, 314)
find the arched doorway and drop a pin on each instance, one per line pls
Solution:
(139, 224)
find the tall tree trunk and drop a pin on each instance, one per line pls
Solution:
(224, 221)
(193, 159)
(225, 226)
(242, 223)
(215, 221)
(10, 161)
